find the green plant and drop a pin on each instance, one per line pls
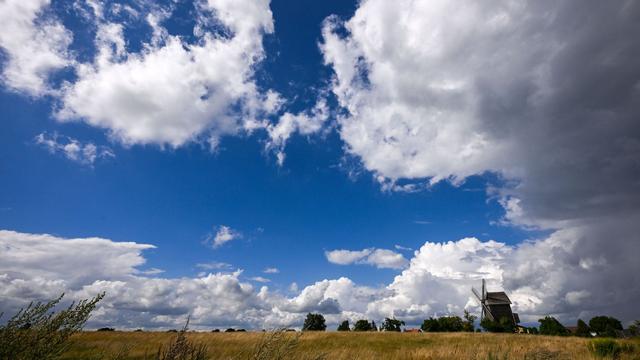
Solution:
(608, 348)
(182, 349)
(314, 322)
(37, 332)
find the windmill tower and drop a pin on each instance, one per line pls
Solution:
(495, 305)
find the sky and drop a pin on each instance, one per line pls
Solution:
(245, 162)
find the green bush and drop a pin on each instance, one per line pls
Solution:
(37, 332)
(608, 348)
(443, 324)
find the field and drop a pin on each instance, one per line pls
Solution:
(332, 345)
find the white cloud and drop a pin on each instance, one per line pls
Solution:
(380, 258)
(214, 265)
(173, 92)
(271, 270)
(537, 93)
(260, 279)
(403, 248)
(35, 45)
(74, 150)
(223, 235)
(304, 123)
(437, 281)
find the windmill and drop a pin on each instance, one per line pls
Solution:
(495, 305)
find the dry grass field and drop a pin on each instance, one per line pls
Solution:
(332, 345)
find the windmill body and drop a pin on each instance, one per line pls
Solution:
(495, 305)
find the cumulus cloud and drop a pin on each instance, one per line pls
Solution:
(260, 279)
(380, 258)
(172, 92)
(34, 44)
(223, 235)
(271, 270)
(73, 149)
(539, 93)
(437, 281)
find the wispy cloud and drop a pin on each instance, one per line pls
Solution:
(223, 235)
(422, 222)
(400, 247)
(271, 270)
(260, 279)
(73, 149)
(214, 265)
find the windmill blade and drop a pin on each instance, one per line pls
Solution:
(487, 312)
(475, 292)
(484, 290)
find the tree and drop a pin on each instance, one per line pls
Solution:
(430, 325)
(363, 325)
(373, 326)
(469, 323)
(605, 325)
(582, 329)
(37, 332)
(392, 324)
(450, 323)
(551, 326)
(314, 322)
(344, 326)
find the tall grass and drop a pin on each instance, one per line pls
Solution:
(341, 345)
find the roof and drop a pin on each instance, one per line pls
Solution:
(498, 297)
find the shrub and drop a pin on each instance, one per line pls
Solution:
(608, 348)
(314, 322)
(551, 326)
(230, 330)
(37, 332)
(392, 324)
(605, 326)
(106, 329)
(444, 324)
(344, 326)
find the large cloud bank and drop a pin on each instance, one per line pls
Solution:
(545, 94)
(436, 282)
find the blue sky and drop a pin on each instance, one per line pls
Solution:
(381, 137)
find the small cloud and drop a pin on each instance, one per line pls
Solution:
(399, 247)
(223, 235)
(294, 287)
(72, 149)
(152, 271)
(260, 279)
(214, 265)
(422, 222)
(380, 258)
(271, 270)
